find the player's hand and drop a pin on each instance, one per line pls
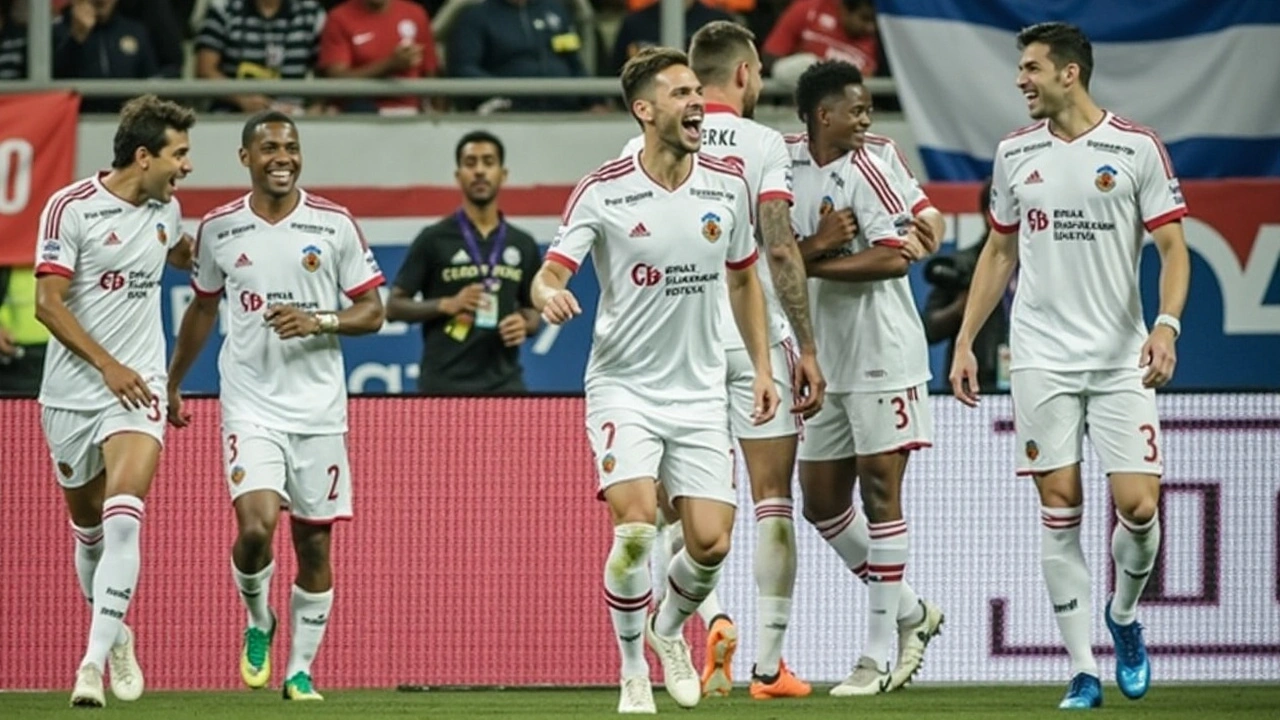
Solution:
(1158, 357)
(913, 248)
(405, 56)
(924, 231)
(766, 395)
(128, 386)
(513, 329)
(7, 346)
(561, 308)
(83, 19)
(964, 376)
(467, 300)
(291, 322)
(177, 417)
(835, 229)
(808, 386)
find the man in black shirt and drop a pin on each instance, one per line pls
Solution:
(473, 271)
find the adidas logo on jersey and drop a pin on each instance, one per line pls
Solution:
(243, 261)
(1033, 178)
(639, 231)
(112, 239)
(460, 258)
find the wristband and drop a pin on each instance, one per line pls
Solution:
(328, 322)
(1170, 321)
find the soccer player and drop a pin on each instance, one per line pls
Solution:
(859, 239)
(281, 255)
(724, 57)
(661, 226)
(102, 248)
(1070, 196)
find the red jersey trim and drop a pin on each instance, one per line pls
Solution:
(776, 195)
(562, 260)
(1173, 215)
(920, 206)
(888, 198)
(889, 242)
(49, 268)
(205, 293)
(1001, 227)
(744, 263)
(53, 223)
(366, 286)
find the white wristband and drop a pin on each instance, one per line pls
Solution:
(328, 322)
(1171, 321)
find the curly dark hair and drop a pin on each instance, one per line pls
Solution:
(821, 81)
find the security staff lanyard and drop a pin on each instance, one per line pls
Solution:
(487, 312)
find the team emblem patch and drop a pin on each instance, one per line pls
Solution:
(711, 227)
(237, 475)
(66, 470)
(1033, 450)
(827, 206)
(608, 463)
(1106, 178)
(161, 235)
(311, 258)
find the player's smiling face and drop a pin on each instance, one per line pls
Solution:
(845, 118)
(1040, 81)
(162, 172)
(678, 108)
(274, 158)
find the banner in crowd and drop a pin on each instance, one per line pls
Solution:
(37, 158)
(1203, 75)
(479, 564)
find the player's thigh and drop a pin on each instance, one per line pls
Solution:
(627, 452)
(890, 422)
(70, 434)
(1123, 423)
(697, 459)
(828, 435)
(740, 385)
(318, 480)
(1048, 410)
(255, 465)
(131, 442)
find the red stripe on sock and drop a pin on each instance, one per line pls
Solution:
(627, 604)
(774, 511)
(879, 531)
(861, 571)
(835, 527)
(125, 510)
(684, 593)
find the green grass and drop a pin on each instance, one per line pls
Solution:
(1168, 702)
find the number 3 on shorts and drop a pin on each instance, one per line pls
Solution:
(901, 420)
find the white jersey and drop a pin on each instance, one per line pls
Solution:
(870, 336)
(1079, 209)
(761, 154)
(888, 152)
(660, 257)
(114, 252)
(296, 385)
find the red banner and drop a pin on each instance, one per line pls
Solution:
(37, 158)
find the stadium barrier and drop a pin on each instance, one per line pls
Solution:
(475, 555)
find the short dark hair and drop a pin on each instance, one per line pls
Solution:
(480, 136)
(644, 66)
(1067, 44)
(143, 122)
(823, 80)
(263, 117)
(716, 48)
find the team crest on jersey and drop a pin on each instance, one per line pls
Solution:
(608, 463)
(827, 205)
(237, 475)
(1106, 178)
(311, 258)
(711, 227)
(1033, 450)
(161, 235)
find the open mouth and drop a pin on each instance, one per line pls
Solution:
(280, 176)
(1031, 94)
(691, 127)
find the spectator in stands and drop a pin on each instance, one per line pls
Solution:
(379, 39)
(164, 24)
(944, 309)
(91, 40)
(22, 337)
(13, 39)
(643, 28)
(260, 39)
(518, 39)
(812, 30)
(473, 271)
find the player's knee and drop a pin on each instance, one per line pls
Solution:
(880, 500)
(710, 550)
(255, 535)
(1139, 510)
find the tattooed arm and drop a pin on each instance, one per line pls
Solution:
(791, 286)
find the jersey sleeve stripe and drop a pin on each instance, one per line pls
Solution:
(562, 260)
(48, 268)
(316, 202)
(1164, 219)
(795, 138)
(883, 189)
(53, 224)
(717, 165)
(776, 195)
(745, 262)
(888, 242)
(1125, 126)
(366, 286)
(921, 205)
(1001, 227)
(202, 292)
(586, 182)
(1025, 130)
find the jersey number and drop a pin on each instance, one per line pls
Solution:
(334, 474)
(900, 413)
(1153, 451)
(155, 415)
(16, 157)
(233, 447)
(609, 430)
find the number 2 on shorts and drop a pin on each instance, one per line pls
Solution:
(334, 474)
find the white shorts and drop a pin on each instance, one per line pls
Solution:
(75, 437)
(739, 379)
(1053, 410)
(851, 424)
(686, 448)
(310, 473)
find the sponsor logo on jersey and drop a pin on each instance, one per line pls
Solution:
(1106, 178)
(711, 227)
(311, 258)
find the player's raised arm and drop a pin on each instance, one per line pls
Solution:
(880, 213)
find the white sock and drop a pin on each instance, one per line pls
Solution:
(688, 585)
(673, 543)
(775, 571)
(660, 557)
(847, 534)
(1066, 574)
(254, 591)
(310, 618)
(886, 566)
(88, 554)
(628, 592)
(1134, 548)
(116, 576)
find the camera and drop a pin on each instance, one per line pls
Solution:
(951, 272)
